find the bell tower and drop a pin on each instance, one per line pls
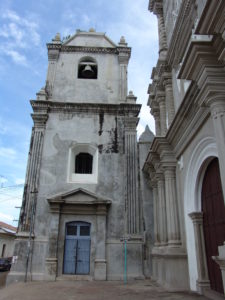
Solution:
(81, 194)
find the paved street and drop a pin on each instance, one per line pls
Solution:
(91, 290)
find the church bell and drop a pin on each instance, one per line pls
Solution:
(88, 72)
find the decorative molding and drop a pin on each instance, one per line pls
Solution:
(122, 109)
(39, 120)
(212, 18)
(108, 50)
(182, 32)
(130, 123)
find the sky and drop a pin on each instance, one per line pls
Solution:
(25, 28)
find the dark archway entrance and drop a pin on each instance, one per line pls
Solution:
(77, 248)
(213, 221)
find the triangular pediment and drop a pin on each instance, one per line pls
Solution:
(78, 196)
(90, 39)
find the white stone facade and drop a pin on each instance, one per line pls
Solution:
(187, 100)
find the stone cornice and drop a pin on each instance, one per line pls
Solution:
(39, 120)
(122, 109)
(187, 121)
(162, 147)
(199, 54)
(107, 50)
(130, 123)
(201, 64)
(212, 18)
(155, 6)
(182, 32)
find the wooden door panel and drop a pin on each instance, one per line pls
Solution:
(70, 256)
(213, 221)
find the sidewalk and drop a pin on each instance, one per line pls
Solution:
(91, 290)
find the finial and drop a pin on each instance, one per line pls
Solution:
(131, 93)
(131, 98)
(41, 95)
(122, 41)
(57, 38)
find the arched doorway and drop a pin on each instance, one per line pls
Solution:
(213, 221)
(77, 248)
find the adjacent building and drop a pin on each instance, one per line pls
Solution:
(81, 199)
(186, 161)
(7, 238)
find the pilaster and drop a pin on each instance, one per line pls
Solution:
(158, 11)
(173, 227)
(162, 109)
(217, 108)
(156, 213)
(100, 256)
(131, 192)
(32, 174)
(53, 55)
(123, 57)
(169, 98)
(162, 210)
(156, 113)
(203, 280)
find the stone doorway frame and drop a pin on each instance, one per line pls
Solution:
(79, 202)
(203, 153)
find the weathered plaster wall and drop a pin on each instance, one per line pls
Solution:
(69, 88)
(8, 241)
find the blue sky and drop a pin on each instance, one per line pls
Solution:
(25, 28)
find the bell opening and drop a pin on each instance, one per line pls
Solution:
(87, 71)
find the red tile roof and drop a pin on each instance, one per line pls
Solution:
(7, 226)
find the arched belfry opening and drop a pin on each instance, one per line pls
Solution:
(87, 68)
(213, 221)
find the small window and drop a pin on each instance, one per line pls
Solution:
(84, 230)
(71, 230)
(87, 68)
(83, 163)
(3, 250)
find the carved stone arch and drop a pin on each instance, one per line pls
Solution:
(202, 154)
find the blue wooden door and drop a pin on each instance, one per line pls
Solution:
(77, 248)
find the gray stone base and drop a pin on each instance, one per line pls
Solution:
(115, 259)
(170, 268)
(50, 269)
(14, 277)
(100, 269)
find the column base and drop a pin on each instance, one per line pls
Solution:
(220, 260)
(202, 285)
(51, 268)
(170, 268)
(100, 269)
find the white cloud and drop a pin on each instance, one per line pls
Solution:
(7, 153)
(7, 127)
(5, 217)
(3, 180)
(16, 57)
(18, 34)
(19, 181)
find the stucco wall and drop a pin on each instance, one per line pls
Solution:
(69, 88)
(8, 241)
